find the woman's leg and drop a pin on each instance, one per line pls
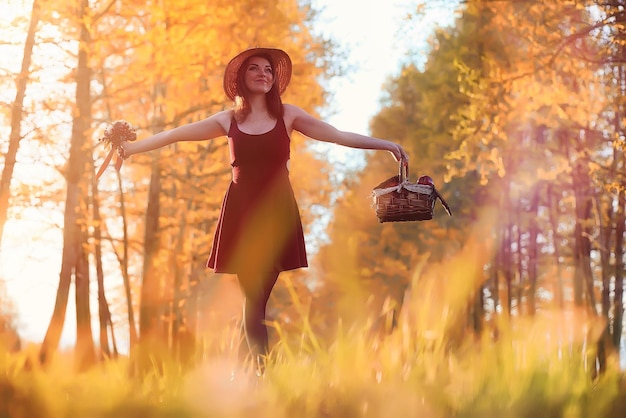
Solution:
(256, 288)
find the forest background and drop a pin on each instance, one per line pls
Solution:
(516, 111)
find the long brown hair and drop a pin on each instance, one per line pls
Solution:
(272, 98)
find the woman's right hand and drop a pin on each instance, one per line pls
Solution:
(125, 150)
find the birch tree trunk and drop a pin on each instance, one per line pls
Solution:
(619, 157)
(620, 227)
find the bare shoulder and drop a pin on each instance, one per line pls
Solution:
(289, 116)
(211, 127)
(222, 119)
(292, 111)
(294, 116)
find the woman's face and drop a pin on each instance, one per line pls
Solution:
(258, 75)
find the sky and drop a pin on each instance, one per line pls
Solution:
(367, 30)
(375, 34)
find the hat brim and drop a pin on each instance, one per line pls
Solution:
(282, 69)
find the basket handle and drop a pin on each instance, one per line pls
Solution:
(443, 202)
(403, 171)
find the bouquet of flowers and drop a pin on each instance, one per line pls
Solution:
(114, 135)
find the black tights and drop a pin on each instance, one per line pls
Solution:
(256, 288)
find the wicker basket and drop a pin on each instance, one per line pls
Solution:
(399, 200)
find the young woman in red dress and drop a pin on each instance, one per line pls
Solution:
(259, 232)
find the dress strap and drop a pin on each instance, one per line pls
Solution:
(233, 125)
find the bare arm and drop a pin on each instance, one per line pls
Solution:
(322, 131)
(209, 128)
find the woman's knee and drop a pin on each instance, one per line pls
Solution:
(257, 287)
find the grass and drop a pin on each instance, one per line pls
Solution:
(429, 366)
(354, 375)
(521, 367)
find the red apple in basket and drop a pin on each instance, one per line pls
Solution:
(425, 180)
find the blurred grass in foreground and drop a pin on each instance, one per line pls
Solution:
(355, 375)
(430, 366)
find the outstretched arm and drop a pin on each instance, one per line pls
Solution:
(209, 128)
(322, 131)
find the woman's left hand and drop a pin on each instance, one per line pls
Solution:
(399, 153)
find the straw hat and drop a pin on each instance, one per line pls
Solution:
(281, 63)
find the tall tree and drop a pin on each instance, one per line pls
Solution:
(615, 56)
(16, 116)
(74, 263)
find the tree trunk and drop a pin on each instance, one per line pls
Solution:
(70, 236)
(506, 264)
(150, 289)
(605, 223)
(152, 346)
(124, 264)
(85, 351)
(179, 298)
(582, 252)
(533, 252)
(620, 226)
(554, 223)
(586, 253)
(74, 261)
(150, 330)
(104, 315)
(152, 336)
(81, 127)
(16, 117)
(619, 157)
(495, 274)
(519, 284)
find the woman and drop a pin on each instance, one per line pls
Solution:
(259, 232)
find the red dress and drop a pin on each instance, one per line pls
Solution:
(259, 227)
